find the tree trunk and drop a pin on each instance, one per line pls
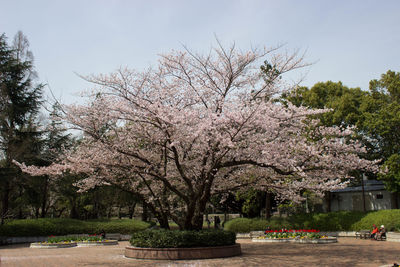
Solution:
(5, 201)
(328, 198)
(144, 212)
(109, 212)
(132, 210)
(20, 194)
(208, 221)
(394, 200)
(363, 193)
(163, 221)
(44, 200)
(37, 212)
(119, 212)
(159, 215)
(73, 212)
(60, 212)
(225, 218)
(268, 205)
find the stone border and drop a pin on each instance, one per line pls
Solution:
(183, 253)
(293, 240)
(270, 240)
(254, 234)
(328, 240)
(97, 243)
(53, 245)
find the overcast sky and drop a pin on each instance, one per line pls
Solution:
(350, 41)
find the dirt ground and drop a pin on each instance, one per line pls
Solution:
(347, 252)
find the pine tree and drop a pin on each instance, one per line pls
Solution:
(20, 100)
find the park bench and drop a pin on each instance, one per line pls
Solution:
(363, 234)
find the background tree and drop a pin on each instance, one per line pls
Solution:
(198, 125)
(375, 114)
(344, 102)
(381, 112)
(20, 100)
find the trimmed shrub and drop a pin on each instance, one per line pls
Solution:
(389, 218)
(332, 221)
(62, 226)
(245, 225)
(182, 239)
(239, 225)
(120, 226)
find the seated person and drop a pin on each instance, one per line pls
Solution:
(381, 233)
(374, 231)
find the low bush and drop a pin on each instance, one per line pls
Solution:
(389, 218)
(332, 221)
(182, 239)
(62, 226)
(245, 225)
(240, 225)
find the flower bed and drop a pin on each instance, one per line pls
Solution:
(53, 245)
(297, 236)
(72, 241)
(96, 243)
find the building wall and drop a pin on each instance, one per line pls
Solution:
(374, 200)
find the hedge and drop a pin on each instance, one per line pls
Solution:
(62, 226)
(180, 239)
(389, 218)
(332, 221)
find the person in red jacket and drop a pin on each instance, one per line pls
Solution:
(374, 231)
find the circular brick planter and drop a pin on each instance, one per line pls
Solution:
(183, 253)
(52, 245)
(293, 240)
(97, 243)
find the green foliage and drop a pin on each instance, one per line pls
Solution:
(251, 201)
(245, 225)
(333, 221)
(123, 226)
(343, 101)
(392, 175)
(240, 225)
(381, 111)
(389, 218)
(47, 227)
(375, 113)
(58, 239)
(182, 239)
(20, 100)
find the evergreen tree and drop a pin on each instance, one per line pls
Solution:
(20, 100)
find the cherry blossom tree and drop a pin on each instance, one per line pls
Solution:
(201, 124)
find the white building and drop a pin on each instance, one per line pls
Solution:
(375, 198)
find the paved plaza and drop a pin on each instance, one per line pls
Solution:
(347, 252)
